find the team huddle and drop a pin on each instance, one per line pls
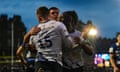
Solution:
(56, 42)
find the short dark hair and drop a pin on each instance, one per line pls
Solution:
(42, 11)
(118, 33)
(53, 8)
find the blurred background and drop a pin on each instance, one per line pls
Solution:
(12, 30)
(17, 17)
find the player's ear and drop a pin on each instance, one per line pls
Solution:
(40, 18)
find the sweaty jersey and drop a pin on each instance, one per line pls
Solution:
(73, 57)
(115, 49)
(49, 41)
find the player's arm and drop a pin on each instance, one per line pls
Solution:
(112, 60)
(27, 36)
(66, 39)
(87, 47)
(33, 31)
(19, 53)
(21, 48)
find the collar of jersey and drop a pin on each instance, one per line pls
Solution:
(44, 22)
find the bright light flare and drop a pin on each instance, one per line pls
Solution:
(93, 32)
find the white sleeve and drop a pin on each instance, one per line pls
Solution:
(66, 39)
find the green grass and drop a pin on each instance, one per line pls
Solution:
(8, 59)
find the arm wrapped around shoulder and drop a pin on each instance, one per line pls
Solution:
(87, 47)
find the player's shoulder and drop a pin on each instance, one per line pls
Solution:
(56, 22)
(114, 45)
(39, 25)
(77, 31)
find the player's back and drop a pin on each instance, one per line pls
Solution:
(49, 40)
(49, 34)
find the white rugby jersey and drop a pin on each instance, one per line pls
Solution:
(49, 41)
(73, 57)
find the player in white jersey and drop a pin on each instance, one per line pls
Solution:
(72, 58)
(53, 15)
(48, 43)
(49, 40)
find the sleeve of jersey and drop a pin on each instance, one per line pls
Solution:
(111, 49)
(66, 39)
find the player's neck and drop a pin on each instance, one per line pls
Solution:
(44, 21)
